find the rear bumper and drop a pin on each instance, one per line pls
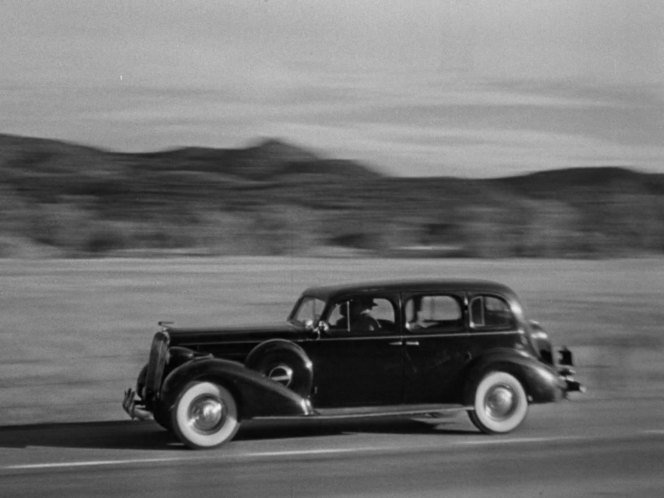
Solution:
(573, 385)
(566, 372)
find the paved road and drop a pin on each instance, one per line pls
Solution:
(590, 447)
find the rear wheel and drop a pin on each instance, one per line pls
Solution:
(205, 415)
(500, 403)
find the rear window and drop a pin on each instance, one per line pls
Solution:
(490, 312)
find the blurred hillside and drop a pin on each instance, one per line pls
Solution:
(59, 199)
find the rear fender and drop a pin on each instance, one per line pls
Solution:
(256, 394)
(541, 382)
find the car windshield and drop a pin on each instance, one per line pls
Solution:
(308, 311)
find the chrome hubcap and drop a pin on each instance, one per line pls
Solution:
(500, 402)
(206, 414)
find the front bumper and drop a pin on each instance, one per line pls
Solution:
(134, 407)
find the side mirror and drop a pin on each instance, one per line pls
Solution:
(317, 329)
(322, 327)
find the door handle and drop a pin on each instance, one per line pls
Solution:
(412, 343)
(395, 343)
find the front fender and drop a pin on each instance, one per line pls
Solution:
(256, 395)
(541, 382)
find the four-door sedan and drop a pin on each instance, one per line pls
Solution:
(385, 348)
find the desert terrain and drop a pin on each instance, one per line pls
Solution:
(77, 331)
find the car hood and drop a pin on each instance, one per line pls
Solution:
(209, 335)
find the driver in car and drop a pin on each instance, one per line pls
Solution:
(357, 312)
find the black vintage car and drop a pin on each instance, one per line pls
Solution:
(386, 348)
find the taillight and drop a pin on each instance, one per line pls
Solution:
(541, 342)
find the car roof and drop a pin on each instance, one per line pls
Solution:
(421, 285)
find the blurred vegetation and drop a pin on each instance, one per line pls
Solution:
(59, 199)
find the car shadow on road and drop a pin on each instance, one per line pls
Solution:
(107, 435)
(319, 427)
(150, 436)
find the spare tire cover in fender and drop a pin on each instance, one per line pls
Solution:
(283, 362)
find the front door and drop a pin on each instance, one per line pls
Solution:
(359, 361)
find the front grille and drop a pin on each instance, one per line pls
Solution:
(156, 365)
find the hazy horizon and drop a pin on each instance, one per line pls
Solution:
(426, 88)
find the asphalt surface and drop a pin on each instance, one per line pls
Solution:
(587, 447)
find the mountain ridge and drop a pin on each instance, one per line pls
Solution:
(273, 198)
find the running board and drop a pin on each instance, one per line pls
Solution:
(375, 411)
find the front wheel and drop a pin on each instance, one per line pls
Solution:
(500, 403)
(205, 415)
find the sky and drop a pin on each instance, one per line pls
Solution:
(462, 88)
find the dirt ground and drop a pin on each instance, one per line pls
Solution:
(76, 332)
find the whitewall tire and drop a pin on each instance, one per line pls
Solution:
(205, 415)
(500, 403)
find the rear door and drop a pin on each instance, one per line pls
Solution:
(436, 346)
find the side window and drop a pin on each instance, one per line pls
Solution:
(308, 310)
(490, 312)
(433, 313)
(362, 314)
